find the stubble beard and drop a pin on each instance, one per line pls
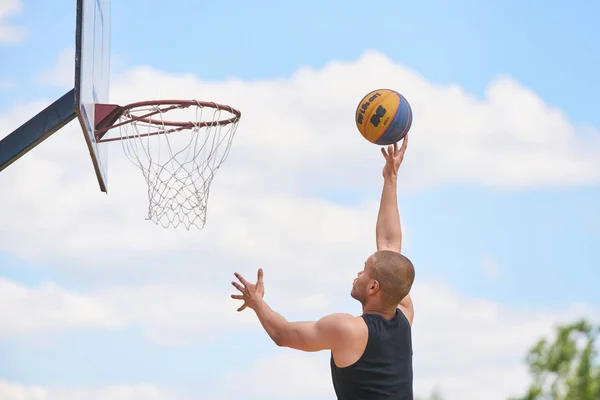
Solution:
(355, 294)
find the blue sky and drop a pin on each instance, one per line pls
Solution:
(544, 240)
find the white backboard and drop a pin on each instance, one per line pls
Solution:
(92, 74)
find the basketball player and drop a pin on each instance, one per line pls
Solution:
(371, 355)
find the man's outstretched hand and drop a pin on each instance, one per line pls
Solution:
(393, 158)
(251, 293)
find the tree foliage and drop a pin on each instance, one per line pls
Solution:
(566, 368)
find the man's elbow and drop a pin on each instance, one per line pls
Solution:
(286, 338)
(281, 337)
(277, 338)
(278, 341)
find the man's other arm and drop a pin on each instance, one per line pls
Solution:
(323, 334)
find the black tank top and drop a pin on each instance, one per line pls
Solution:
(384, 371)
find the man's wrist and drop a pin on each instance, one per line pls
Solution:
(258, 304)
(392, 178)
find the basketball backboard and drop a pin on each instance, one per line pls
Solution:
(92, 75)
(178, 178)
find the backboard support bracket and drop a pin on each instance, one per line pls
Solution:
(39, 128)
(105, 116)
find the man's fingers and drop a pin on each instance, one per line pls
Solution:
(242, 307)
(237, 296)
(238, 286)
(260, 275)
(404, 143)
(384, 152)
(241, 279)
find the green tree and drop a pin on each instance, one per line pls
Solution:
(567, 368)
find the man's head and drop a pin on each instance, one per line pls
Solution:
(385, 280)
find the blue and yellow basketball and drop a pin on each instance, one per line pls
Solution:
(383, 117)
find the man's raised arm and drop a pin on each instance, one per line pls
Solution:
(388, 232)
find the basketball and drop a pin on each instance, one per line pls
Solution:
(383, 117)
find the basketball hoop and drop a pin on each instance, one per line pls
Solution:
(178, 155)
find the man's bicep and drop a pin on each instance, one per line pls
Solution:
(314, 336)
(302, 335)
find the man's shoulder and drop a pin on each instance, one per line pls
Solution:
(344, 325)
(342, 321)
(351, 334)
(339, 319)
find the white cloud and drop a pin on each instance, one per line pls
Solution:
(287, 375)
(48, 307)
(169, 315)
(10, 34)
(296, 138)
(509, 139)
(16, 391)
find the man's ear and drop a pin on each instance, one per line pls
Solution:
(373, 286)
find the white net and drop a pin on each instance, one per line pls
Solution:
(178, 162)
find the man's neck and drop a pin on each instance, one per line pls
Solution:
(385, 313)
